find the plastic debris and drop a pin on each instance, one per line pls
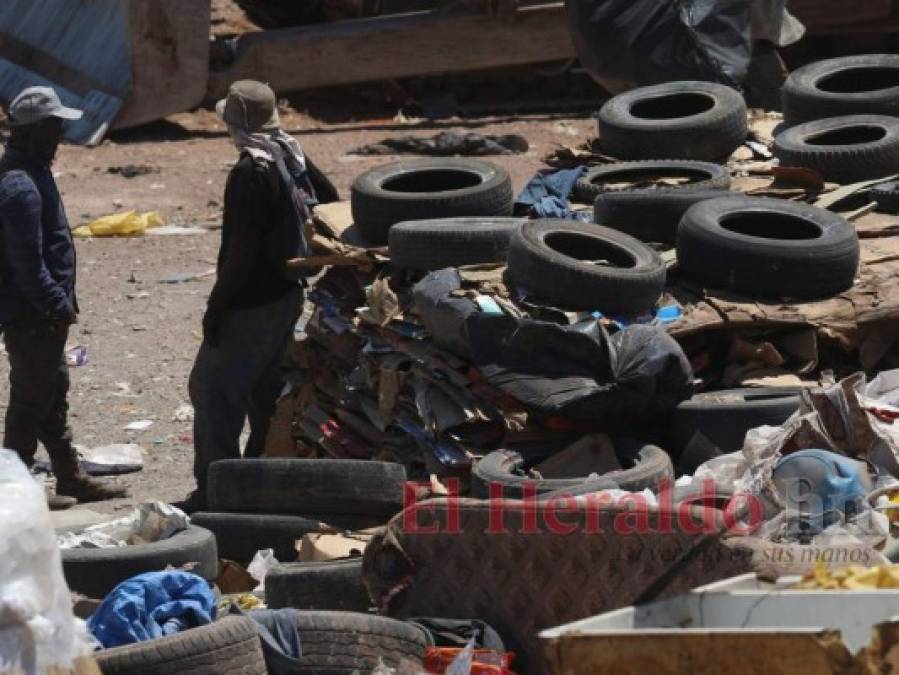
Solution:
(76, 356)
(260, 566)
(127, 224)
(150, 521)
(38, 632)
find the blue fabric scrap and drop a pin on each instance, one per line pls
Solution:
(152, 605)
(546, 195)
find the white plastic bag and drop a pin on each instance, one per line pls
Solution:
(147, 522)
(262, 562)
(37, 628)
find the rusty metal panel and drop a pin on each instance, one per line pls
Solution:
(79, 47)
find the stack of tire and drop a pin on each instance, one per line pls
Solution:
(843, 118)
(725, 241)
(257, 504)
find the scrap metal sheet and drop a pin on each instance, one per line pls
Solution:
(79, 47)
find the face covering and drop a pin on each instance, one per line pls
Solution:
(38, 141)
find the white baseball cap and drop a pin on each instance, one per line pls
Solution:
(38, 103)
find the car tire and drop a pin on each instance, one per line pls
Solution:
(229, 646)
(297, 486)
(324, 585)
(542, 261)
(603, 179)
(843, 149)
(96, 571)
(650, 215)
(427, 188)
(339, 643)
(769, 247)
(650, 466)
(866, 84)
(722, 418)
(677, 120)
(240, 535)
(427, 245)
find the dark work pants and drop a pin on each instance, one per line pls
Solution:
(39, 383)
(239, 379)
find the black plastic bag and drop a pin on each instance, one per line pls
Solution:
(580, 372)
(443, 315)
(629, 43)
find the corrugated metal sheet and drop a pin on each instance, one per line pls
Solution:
(79, 47)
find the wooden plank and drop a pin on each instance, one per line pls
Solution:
(380, 48)
(169, 42)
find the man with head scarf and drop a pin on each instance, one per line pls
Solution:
(37, 293)
(253, 307)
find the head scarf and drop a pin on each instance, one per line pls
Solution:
(268, 144)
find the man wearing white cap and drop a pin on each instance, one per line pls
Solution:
(37, 292)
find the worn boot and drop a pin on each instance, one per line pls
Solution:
(71, 481)
(60, 503)
(86, 489)
(195, 501)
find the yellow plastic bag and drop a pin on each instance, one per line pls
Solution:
(127, 224)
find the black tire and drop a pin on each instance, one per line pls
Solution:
(887, 197)
(867, 84)
(229, 646)
(339, 643)
(423, 189)
(240, 535)
(724, 417)
(542, 261)
(650, 465)
(451, 242)
(650, 215)
(603, 179)
(843, 149)
(331, 585)
(676, 120)
(96, 571)
(297, 486)
(819, 262)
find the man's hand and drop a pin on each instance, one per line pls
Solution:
(212, 326)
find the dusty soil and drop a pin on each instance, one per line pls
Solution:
(141, 334)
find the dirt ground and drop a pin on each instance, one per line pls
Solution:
(141, 334)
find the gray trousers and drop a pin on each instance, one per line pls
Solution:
(239, 379)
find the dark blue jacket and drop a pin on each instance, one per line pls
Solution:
(37, 270)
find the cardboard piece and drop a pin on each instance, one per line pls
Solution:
(316, 546)
(233, 578)
(333, 219)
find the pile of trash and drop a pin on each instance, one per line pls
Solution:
(676, 380)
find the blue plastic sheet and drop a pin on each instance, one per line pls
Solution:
(152, 605)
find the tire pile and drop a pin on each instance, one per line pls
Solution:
(372, 371)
